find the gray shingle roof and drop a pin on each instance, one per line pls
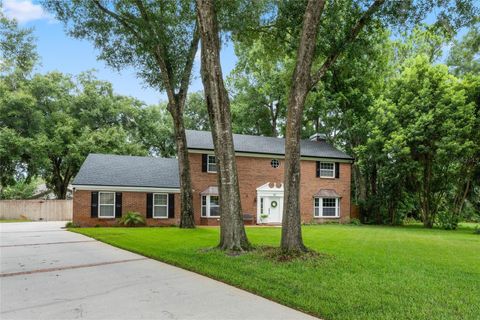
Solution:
(202, 140)
(128, 171)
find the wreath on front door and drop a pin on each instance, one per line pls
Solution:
(273, 204)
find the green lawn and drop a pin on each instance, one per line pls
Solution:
(13, 220)
(368, 272)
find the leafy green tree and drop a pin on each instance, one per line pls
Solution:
(18, 54)
(467, 179)
(20, 190)
(17, 59)
(428, 40)
(196, 114)
(315, 58)
(155, 130)
(159, 40)
(464, 55)
(259, 87)
(69, 128)
(422, 129)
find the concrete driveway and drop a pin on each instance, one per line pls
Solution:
(49, 273)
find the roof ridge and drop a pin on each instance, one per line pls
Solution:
(129, 156)
(253, 135)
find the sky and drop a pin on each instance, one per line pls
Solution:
(59, 52)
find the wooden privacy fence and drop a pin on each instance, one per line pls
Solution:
(47, 210)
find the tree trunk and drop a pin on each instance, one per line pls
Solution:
(60, 190)
(186, 195)
(359, 182)
(57, 183)
(428, 218)
(291, 225)
(232, 230)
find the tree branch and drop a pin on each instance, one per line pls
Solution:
(187, 70)
(160, 53)
(118, 18)
(352, 35)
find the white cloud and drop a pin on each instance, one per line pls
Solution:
(25, 11)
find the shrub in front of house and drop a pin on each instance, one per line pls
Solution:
(71, 224)
(355, 222)
(132, 219)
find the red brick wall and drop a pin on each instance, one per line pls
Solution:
(254, 172)
(131, 201)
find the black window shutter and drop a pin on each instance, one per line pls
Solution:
(337, 170)
(318, 169)
(94, 205)
(204, 162)
(149, 205)
(171, 205)
(118, 204)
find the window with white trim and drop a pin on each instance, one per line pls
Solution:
(327, 169)
(326, 207)
(211, 163)
(106, 204)
(160, 205)
(210, 206)
(261, 205)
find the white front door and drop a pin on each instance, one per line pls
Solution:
(269, 203)
(274, 210)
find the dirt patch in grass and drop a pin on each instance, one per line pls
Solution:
(276, 254)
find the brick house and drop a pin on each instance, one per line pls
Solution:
(109, 185)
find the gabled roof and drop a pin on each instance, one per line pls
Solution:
(202, 140)
(128, 171)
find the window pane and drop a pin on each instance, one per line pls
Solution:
(204, 200)
(160, 199)
(329, 202)
(214, 211)
(204, 211)
(160, 211)
(326, 165)
(107, 197)
(213, 200)
(329, 207)
(106, 211)
(327, 169)
(317, 212)
(316, 202)
(329, 212)
(326, 173)
(212, 163)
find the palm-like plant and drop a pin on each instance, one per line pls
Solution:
(132, 219)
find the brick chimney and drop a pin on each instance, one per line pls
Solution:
(318, 137)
